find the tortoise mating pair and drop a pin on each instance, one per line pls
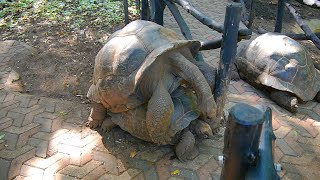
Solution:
(281, 66)
(140, 77)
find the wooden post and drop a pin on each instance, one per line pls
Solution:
(227, 55)
(126, 12)
(138, 6)
(182, 25)
(206, 20)
(264, 166)
(241, 140)
(144, 10)
(251, 15)
(280, 12)
(157, 8)
(304, 26)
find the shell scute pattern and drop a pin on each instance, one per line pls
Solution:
(279, 62)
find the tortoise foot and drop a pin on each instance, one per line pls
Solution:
(201, 129)
(285, 100)
(94, 123)
(107, 125)
(186, 149)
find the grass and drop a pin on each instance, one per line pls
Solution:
(74, 13)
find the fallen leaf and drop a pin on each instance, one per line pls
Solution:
(133, 154)
(176, 172)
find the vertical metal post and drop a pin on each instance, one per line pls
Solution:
(241, 141)
(138, 6)
(144, 9)
(157, 8)
(264, 167)
(251, 15)
(280, 13)
(227, 55)
(126, 12)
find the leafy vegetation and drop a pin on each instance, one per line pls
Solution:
(74, 13)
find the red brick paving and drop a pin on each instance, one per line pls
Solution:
(41, 142)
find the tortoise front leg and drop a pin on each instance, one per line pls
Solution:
(97, 115)
(285, 100)
(159, 113)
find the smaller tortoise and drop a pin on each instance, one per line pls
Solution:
(135, 76)
(279, 65)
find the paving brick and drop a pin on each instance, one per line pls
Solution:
(151, 156)
(311, 130)
(18, 136)
(9, 97)
(4, 110)
(17, 118)
(303, 160)
(47, 143)
(29, 117)
(80, 171)
(48, 104)
(96, 173)
(78, 156)
(206, 170)
(285, 148)
(151, 174)
(316, 124)
(110, 162)
(292, 176)
(194, 164)
(316, 109)
(2, 144)
(11, 161)
(48, 125)
(282, 131)
(5, 122)
(46, 167)
(132, 174)
(23, 99)
(162, 167)
(26, 110)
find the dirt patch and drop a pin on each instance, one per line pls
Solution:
(63, 67)
(265, 17)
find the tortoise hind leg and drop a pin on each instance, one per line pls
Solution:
(285, 100)
(186, 149)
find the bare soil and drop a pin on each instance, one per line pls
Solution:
(64, 64)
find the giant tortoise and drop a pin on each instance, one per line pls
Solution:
(281, 66)
(139, 79)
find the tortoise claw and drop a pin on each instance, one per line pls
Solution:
(107, 125)
(92, 124)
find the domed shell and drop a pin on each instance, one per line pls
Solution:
(121, 63)
(279, 62)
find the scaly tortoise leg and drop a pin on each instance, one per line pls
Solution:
(97, 115)
(159, 112)
(285, 100)
(186, 149)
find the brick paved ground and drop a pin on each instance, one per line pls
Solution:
(45, 138)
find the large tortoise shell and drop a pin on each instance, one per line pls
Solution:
(279, 62)
(127, 54)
